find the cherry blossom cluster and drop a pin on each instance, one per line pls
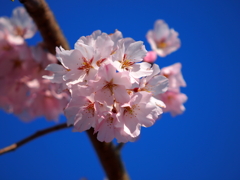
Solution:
(112, 89)
(114, 85)
(164, 41)
(23, 91)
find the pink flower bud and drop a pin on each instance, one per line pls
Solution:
(150, 57)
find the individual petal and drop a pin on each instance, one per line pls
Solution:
(104, 95)
(56, 68)
(136, 51)
(161, 30)
(86, 51)
(141, 69)
(121, 94)
(157, 85)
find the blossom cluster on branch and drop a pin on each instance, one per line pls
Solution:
(24, 92)
(112, 90)
(107, 82)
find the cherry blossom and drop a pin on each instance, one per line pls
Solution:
(81, 112)
(25, 93)
(174, 102)
(173, 98)
(112, 86)
(20, 24)
(107, 127)
(162, 39)
(44, 101)
(136, 113)
(174, 75)
(127, 56)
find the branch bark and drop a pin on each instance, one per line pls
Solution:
(52, 36)
(109, 157)
(46, 23)
(32, 137)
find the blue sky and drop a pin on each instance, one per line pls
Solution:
(203, 143)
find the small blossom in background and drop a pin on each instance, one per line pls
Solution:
(162, 39)
(111, 87)
(174, 102)
(174, 75)
(23, 90)
(173, 98)
(20, 24)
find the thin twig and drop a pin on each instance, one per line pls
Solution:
(109, 158)
(46, 23)
(32, 137)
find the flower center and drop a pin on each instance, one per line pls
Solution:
(161, 44)
(86, 65)
(99, 62)
(166, 75)
(110, 86)
(110, 119)
(90, 109)
(19, 31)
(126, 63)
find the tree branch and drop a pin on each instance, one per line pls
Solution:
(46, 23)
(109, 158)
(32, 137)
(119, 146)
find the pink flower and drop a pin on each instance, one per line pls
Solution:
(154, 84)
(112, 85)
(174, 75)
(81, 112)
(8, 42)
(16, 62)
(174, 102)
(44, 101)
(150, 57)
(107, 128)
(20, 24)
(101, 42)
(25, 93)
(127, 56)
(173, 98)
(138, 112)
(162, 39)
(13, 95)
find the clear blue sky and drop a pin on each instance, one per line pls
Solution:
(203, 143)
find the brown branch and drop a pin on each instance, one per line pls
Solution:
(109, 158)
(52, 36)
(46, 23)
(119, 146)
(32, 137)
